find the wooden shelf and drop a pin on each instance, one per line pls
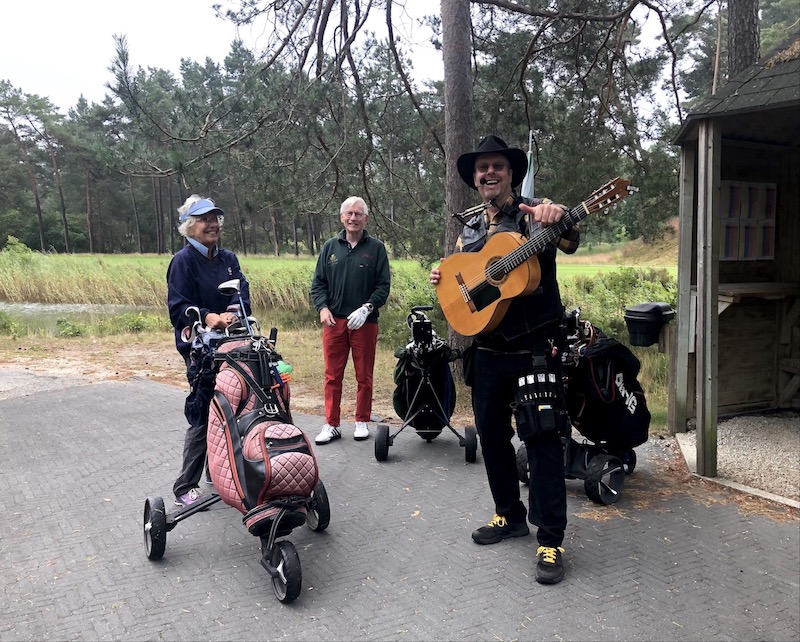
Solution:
(735, 292)
(730, 293)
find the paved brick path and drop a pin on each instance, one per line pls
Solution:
(671, 560)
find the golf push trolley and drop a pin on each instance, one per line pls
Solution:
(260, 463)
(605, 404)
(425, 393)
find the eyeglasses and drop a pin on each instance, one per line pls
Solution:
(354, 214)
(208, 220)
(485, 167)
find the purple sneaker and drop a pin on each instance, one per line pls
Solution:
(189, 498)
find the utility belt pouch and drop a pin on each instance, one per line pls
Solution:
(538, 401)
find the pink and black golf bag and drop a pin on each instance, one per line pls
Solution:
(260, 462)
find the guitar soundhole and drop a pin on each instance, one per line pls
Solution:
(495, 272)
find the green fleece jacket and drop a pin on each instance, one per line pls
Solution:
(346, 278)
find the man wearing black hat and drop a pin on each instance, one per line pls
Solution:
(520, 346)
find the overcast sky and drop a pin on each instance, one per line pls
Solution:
(60, 49)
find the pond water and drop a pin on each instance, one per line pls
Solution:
(43, 316)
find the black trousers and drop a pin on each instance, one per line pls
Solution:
(494, 384)
(194, 448)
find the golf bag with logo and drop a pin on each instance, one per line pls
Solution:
(606, 402)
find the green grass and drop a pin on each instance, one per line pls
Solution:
(279, 294)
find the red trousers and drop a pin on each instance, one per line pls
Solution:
(337, 342)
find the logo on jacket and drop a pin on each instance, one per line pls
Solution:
(333, 260)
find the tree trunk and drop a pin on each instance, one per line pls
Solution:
(23, 150)
(236, 218)
(267, 233)
(135, 216)
(38, 202)
(311, 235)
(243, 233)
(154, 186)
(89, 212)
(274, 225)
(61, 203)
(459, 122)
(170, 210)
(162, 243)
(743, 35)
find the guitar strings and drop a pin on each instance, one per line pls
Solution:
(598, 200)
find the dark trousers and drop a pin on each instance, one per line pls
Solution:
(194, 453)
(194, 457)
(495, 380)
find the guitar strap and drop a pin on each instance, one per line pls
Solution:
(508, 219)
(502, 220)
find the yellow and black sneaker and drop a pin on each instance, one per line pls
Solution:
(499, 529)
(549, 566)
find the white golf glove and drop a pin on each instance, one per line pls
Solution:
(357, 317)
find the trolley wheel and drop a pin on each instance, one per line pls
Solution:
(522, 464)
(319, 510)
(628, 459)
(605, 477)
(289, 578)
(470, 444)
(155, 528)
(382, 442)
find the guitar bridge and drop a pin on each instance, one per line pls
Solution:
(465, 293)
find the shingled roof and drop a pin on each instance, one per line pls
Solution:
(773, 83)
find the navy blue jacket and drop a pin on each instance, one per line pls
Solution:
(192, 280)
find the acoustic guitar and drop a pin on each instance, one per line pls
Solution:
(476, 288)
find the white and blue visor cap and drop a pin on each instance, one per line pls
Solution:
(203, 206)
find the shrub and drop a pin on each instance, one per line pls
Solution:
(66, 328)
(9, 327)
(134, 322)
(603, 297)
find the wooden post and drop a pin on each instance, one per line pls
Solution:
(684, 335)
(709, 144)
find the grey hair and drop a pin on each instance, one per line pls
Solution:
(354, 200)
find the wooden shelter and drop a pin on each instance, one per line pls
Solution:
(737, 340)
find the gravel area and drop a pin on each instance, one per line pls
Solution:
(760, 451)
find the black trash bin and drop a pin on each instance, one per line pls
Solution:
(645, 321)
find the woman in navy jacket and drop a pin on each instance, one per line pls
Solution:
(192, 279)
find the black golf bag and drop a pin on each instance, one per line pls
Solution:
(605, 400)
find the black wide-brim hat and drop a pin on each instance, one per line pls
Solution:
(493, 145)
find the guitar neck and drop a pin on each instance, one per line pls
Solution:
(539, 241)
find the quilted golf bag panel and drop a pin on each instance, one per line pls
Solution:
(259, 461)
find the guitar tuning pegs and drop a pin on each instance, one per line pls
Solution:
(632, 189)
